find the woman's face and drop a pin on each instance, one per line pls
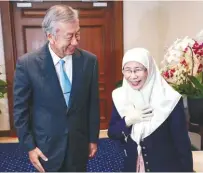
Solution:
(135, 74)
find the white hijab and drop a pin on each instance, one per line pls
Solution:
(156, 92)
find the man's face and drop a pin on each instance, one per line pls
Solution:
(67, 38)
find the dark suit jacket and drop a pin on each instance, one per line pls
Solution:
(167, 149)
(41, 116)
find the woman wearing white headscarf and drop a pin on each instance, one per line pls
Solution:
(148, 115)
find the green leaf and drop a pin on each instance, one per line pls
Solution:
(3, 88)
(196, 83)
(2, 83)
(199, 77)
(188, 89)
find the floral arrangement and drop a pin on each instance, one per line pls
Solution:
(3, 88)
(3, 84)
(182, 67)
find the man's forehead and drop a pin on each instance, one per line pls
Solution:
(68, 28)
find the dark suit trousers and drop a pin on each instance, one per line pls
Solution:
(68, 167)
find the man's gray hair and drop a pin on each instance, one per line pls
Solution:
(58, 13)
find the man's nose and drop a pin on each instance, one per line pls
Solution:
(74, 41)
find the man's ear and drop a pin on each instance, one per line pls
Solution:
(51, 39)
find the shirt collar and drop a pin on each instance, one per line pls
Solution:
(56, 58)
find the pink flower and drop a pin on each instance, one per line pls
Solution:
(184, 63)
(196, 45)
(171, 72)
(200, 68)
(166, 74)
(186, 49)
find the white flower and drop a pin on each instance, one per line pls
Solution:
(174, 55)
(199, 36)
(179, 57)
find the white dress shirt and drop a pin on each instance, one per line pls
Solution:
(67, 65)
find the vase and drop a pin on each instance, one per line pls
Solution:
(195, 109)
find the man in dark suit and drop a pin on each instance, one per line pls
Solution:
(56, 102)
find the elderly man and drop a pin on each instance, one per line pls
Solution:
(56, 102)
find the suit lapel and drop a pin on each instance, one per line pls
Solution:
(77, 61)
(50, 75)
(51, 78)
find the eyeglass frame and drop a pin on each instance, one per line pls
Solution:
(139, 69)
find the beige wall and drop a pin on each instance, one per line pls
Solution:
(141, 23)
(180, 19)
(150, 24)
(156, 24)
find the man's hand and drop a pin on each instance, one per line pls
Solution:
(92, 149)
(34, 158)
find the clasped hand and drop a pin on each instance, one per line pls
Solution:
(139, 115)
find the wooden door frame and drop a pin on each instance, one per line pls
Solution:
(7, 33)
(10, 50)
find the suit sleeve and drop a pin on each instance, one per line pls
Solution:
(22, 95)
(117, 127)
(94, 115)
(180, 137)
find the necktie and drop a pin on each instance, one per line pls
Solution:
(65, 82)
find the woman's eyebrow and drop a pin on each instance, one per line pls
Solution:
(133, 67)
(127, 67)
